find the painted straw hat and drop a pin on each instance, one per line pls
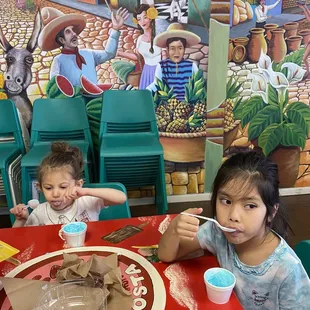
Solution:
(176, 30)
(54, 21)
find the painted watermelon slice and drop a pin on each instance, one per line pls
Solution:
(64, 85)
(90, 87)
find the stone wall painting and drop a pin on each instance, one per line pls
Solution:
(268, 86)
(126, 51)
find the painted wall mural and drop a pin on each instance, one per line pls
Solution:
(80, 49)
(268, 86)
(256, 95)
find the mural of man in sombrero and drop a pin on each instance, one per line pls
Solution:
(62, 30)
(175, 70)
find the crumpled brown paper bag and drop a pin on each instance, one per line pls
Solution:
(93, 270)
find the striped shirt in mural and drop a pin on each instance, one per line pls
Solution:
(176, 75)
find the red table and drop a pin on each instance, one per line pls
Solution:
(186, 292)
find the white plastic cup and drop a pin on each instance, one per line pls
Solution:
(73, 234)
(219, 293)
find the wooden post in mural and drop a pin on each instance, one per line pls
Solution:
(217, 74)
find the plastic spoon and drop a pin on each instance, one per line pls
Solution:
(33, 203)
(212, 220)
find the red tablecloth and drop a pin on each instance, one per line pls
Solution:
(36, 241)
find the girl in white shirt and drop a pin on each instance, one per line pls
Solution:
(59, 178)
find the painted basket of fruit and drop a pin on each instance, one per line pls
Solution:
(128, 72)
(182, 124)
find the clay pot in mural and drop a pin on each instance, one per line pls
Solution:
(277, 47)
(268, 28)
(241, 41)
(305, 35)
(291, 29)
(230, 49)
(293, 43)
(287, 158)
(239, 54)
(257, 44)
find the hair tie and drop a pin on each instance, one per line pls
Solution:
(135, 21)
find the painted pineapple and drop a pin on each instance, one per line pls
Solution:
(194, 100)
(192, 124)
(232, 92)
(172, 104)
(161, 123)
(161, 98)
(163, 112)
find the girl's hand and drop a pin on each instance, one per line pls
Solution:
(20, 212)
(186, 227)
(75, 192)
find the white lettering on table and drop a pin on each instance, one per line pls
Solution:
(139, 290)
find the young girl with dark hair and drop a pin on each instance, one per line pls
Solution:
(245, 197)
(59, 178)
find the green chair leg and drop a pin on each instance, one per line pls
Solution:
(8, 193)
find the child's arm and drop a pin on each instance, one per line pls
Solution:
(180, 238)
(109, 195)
(21, 215)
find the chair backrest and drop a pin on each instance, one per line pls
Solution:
(59, 119)
(9, 123)
(112, 212)
(128, 112)
(302, 249)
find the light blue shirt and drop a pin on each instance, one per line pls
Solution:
(280, 282)
(66, 64)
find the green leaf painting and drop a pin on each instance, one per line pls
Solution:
(249, 110)
(270, 138)
(267, 116)
(293, 135)
(272, 95)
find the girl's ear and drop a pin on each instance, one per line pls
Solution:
(274, 212)
(79, 183)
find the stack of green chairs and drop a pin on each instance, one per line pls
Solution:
(130, 151)
(56, 120)
(112, 212)
(11, 150)
(302, 249)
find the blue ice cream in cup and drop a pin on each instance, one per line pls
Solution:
(73, 234)
(219, 283)
(75, 227)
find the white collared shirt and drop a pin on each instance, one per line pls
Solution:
(262, 16)
(84, 209)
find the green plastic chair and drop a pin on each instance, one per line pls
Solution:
(112, 212)
(9, 149)
(302, 249)
(130, 151)
(57, 120)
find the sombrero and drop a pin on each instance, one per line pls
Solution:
(54, 21)
(176, 30)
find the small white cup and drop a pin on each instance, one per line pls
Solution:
(219, 291)
(73, 234)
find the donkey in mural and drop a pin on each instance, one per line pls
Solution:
(18, 75)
